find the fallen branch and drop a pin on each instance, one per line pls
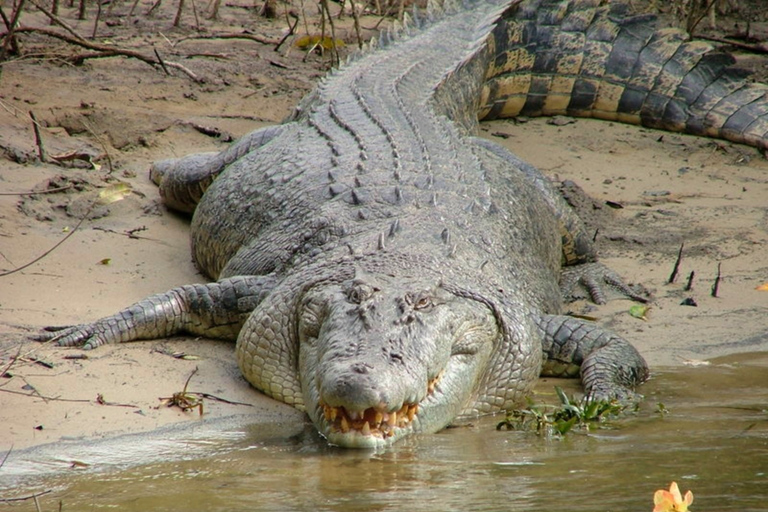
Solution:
(105, 50)
(241, 35)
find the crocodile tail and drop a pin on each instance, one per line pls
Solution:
(583, 58)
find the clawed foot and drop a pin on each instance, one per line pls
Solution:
(596, 280)
(89, 336)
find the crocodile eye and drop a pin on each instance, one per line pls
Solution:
(355, 295)
(422, 302)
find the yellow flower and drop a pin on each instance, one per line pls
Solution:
(671, 500)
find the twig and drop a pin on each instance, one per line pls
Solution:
(101, 143)
(160, 60)
(100, 400)
(291, 31)
(755, 48)
(46, 398)
(49, 251)
(219, 399)
(177, 19)
(326, 13)
(96, 21)
(133, 7)
(13, 360)
(186, 71)
(58, 399)
(214, 14)
(676, 268)
(34, 193)
(716, 284)
(695, 18)
(38, 138)
(5, 458)
(356, 18)
(25, 498)
(131, 233)
(689, 284)
(197, 18)
(154, 6)
(58, 21)
(10, 39)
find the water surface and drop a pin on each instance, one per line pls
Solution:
(713, 440)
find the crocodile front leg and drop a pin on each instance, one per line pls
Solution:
(610, 366)
(214, 310)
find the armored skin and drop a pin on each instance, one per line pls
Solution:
(386, 271)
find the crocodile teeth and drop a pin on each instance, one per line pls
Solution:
(374, 421)
(371, 421)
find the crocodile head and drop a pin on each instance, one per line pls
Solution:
(381, 358)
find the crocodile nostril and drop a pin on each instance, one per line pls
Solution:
(361, 368)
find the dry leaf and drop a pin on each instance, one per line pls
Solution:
(114, 193)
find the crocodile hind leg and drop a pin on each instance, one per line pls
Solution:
(580, 268)
(610, 367)
(183, 181)
(214, 310)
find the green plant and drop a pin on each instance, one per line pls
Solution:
(560, 419)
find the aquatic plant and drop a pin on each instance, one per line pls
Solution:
(560, 419)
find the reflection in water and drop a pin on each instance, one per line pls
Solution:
(713, 441)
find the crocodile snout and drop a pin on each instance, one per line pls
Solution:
(359, 386)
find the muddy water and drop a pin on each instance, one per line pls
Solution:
(713, 440)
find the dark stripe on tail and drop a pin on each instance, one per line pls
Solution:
(585, 59)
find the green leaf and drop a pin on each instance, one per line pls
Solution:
(639, 311)
(562, 396)
(563, 427)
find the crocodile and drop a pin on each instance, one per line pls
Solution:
(388, 272)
